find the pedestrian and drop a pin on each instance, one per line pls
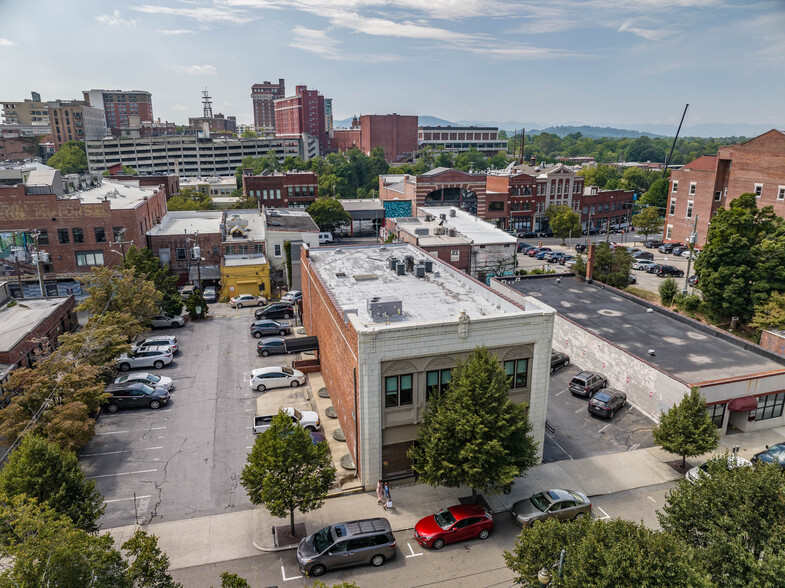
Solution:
(387, 497)
(379, 492)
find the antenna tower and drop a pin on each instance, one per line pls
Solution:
(208, 104)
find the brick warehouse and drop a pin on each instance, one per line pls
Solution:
(282, 189)
(703, 186)
(387, 340)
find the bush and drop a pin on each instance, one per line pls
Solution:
(668, 290)
(689, 303)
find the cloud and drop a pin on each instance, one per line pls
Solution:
(443, 9)
(648, 34)
(177, 32)
(6, 43)
(179, 107)
(114, 19)
(202, 13)
(321, 44)
(196, 70)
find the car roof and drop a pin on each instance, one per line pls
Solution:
(585, 375)
(270, 340)
(363, 526)
(161, 348)
(561, 494)
(267, 370)
(460, 511)
(156, 338)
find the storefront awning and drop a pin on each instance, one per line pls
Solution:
(209, 272)
(743, 404)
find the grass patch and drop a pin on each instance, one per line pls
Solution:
(645, 294)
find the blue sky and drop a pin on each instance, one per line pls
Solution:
(617, 62)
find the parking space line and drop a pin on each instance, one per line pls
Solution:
(129, 431)
(605, 427)
(285, 579)
(607, 516)
(559, 393)
(559, 446)
(580, 409)
(116, 452)
(634, 447)
(123, 499)
(123, 474)
(413, 554)
(650, 498)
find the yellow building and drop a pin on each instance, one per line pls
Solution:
(245, 274)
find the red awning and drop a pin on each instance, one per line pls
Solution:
(743, 404)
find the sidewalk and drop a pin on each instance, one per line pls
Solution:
(224, 537)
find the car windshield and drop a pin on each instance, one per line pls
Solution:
(153, 378)
(298, 414)
(322, 540)
(540, 502)
(147, 389)
(602, 397)
(288, 371)
(776, 451)
(576, 496)
(444, 519)
(122, 379)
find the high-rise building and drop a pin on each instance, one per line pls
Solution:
(28, 113)
(119, 106)
(74, 120)
(328, 115)
(262, 96)
(302, 113)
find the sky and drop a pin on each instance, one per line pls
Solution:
(602, 62)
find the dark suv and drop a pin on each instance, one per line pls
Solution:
(669, 270)
(270, 327)
(275, 310)
(559, 360)
(587, 383)
(652, 243)
(132, 394)
(668, 247)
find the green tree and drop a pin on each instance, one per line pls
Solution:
(287, 471)
(149, 564)
(564, 221)
(229, 580)
(657, 194)
(41, 470)
(734, 519)
(71, 158)
(668, 290)
(190, 199)
(196, 305)
(638, 179)
(770, 315)
(328, 213)
(470, 160)
(249, 133)
(602, 176)
(612, 266)
(147, 265)
(686, 429)
(443, 158)
(473, 434)
(648, 221)
(129, 171)
(101, 341)
(604, 552)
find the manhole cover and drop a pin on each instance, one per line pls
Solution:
(323, 393)
(338, 435)
(347, 462)
(330, 412)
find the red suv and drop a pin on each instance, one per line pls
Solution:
(456, 523)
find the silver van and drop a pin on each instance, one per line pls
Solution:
(343, 545)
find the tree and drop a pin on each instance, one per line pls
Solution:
(648, 221)
(249, 133)
(470, 160)
(473, 434)
(770, 315)
(564, 221)
(604, 552)
(145, 264)
(638, 179)
(668, 290)
(287, 471)
(328, 213)
(149, 564)
(129, 171)
(41, 470)
(687, 429)
(657, 194)
(71, 158)
(190, 199)
(734, 519)
(443, 158)
(601, 176)
(196, 305)
(233, 581)
(101, 341)
(612, 266)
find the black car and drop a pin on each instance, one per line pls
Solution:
(581, 247)
(269, 327)
(679, 250)
(587, 383)
(546, 233)
(523, 247)
(275, 310)
(606, 402)
(652, 243)
(668, 247)
(643, 255)
(527, 235)
(559, 360)
(774, 455)
(668, 270)
(271, 346)
(133, 394)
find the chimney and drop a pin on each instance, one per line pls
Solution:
(590, 263)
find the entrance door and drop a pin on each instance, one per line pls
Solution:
(395, 463)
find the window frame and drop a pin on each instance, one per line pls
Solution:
(100, 234)
(781, 193)
(43, 237)
(672, 209)
(455, 255)
(675, 187)
(717, 416)
(442, 382)
(770, 406)
(690, 206)
(693, 188)
(86, 261)
(758, 191)
(63, 236)
(516, 373)
(397, 391)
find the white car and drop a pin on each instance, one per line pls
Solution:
(155, 357)
(569, 262)
(734, 461)
(148, 378)
(158, 341)
(686, 254)
(292, 297)
(275, 377)
(246, 300)
(642, 264)
(167, 320)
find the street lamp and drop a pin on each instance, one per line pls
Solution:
(544, 575)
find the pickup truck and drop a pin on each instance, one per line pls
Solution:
(307, 419)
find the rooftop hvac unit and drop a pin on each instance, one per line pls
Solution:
(409, 263)
(438, 230)
(419, 270)
(422, 232)
(428, 218)
(443, 216)
(451, 232)
(452, 212)
(428, 265)
(400, 268)
(385, 306)
(393, 261)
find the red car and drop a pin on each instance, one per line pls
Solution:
(456, 523)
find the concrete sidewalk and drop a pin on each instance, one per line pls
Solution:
(217, 538)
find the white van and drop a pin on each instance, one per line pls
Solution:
(325, 238)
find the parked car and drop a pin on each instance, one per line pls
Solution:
(581, 247)
(533, 251)
(186, 291)
(325, 238)
(269, 327)
(353, 543)
(279, 345)
(587, 383)
(559, 360)
(732, 461)
(653, 268)
(307, 419)
(527, 235)
(668, 270)
(668, 247)
(523, 246)
(292, 296)
(693, 280)
(555, 256)
(155, 357)
(652, 243)
(146, 378)
(687, 254)
(276, 377)
(542, 252)
(275, 310)
(167, 320)
(774, 454)
(641, 255)
(631, 279)
(209, 294)
(546, 233)
(135, 394)
(563, 505)
(569, 262)
(642, 264)
(246, 300)
(528, 249)
(158, 341)
(606, 402)
(565, 258)
(677, 251)
(453, 524)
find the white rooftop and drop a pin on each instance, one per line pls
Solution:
(240, 260)
(221, 181)
(120, 195)
(468, 225)
(17, 322)
(251, 221)
(179, 222)
(355, 275)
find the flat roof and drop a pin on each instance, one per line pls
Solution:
(239, 260)
(180, 221)
(289, 219)
(682, 350)
(362, 204)
(251, 221)
(473, 228)
(18, 321)
(120, 195)
(411, 224)
(356, 275)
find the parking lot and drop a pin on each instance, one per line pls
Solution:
(184, 460)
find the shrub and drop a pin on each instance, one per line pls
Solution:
(689, 303)
(668, 290)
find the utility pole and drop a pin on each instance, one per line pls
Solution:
(693, 238)
(198, 253)
(18, 270)
(122, 243)
(39, 259)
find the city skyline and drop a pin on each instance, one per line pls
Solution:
(602, 62)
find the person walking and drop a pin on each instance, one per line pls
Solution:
(387, 497)
(379, 492)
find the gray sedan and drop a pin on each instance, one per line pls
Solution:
(563, 505)
(270, 327)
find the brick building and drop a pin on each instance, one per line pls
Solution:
(395, 133)
(302, 113)
(282, 189)
(523, 198)
(703, 186)
(16, 147)
(345, 139)
(119, 106)
(262, 96)
(170, 183)
(218, 124)
(605, 209)
(75, 120)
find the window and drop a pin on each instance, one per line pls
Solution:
(496, 206)
(455, 255)
(278, 194)
(43, 237)
(398, 390)
(290, 190)
(264, 194)
(216, 251)
(518, 371)
(689, 208)
(717, 195)
(669, 231)
(180, 254)
(758, 190)
(675, 186)
(62, 236)
(692, 188)
(717, 414)
(770, 406)
(437, 382)
(672, 210)
(100, 235)
(85, 258)
(277, 250)
(781, 193)
(117, 233)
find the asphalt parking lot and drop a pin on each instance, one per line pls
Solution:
(575, 433)
(184, 460)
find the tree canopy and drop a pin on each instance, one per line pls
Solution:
(611, 266)
(190, 199)
(145, 264)
(564, 221)
(328, 213)
(71, 158)
(648, 221)
(687, 429)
